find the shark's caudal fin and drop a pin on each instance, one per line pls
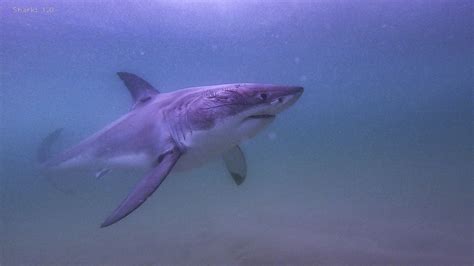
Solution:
(44, 150)
(140, 90)
(44, 154)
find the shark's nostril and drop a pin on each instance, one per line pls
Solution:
(280, 100)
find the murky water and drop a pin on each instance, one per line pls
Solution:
(373, 165)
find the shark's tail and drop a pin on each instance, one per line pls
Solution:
(44, 150)
(44, 154)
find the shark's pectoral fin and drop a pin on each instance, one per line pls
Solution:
(235, 161)
(145, 187)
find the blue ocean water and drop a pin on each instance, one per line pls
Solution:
(373, 165)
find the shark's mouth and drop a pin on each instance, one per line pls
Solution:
(261, 116)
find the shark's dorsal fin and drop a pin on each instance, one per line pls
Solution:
(140, 90)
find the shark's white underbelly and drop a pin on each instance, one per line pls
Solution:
(199, 148)
(188, 161)
(203, 146)
(119, 161)
(131, 160)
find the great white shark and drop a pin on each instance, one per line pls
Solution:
(174, 131)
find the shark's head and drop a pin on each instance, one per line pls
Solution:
(247, 107)
(257, 101)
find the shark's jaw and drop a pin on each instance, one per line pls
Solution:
(262, 116)
(278, 100)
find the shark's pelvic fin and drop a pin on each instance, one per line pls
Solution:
(145, 187)
(99, 174)
(44, 150)
(140, 90)
(235, 162)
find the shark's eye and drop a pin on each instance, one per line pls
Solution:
(263, 96)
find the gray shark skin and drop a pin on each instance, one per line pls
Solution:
(176, 131)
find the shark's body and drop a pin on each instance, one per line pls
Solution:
(178, 130)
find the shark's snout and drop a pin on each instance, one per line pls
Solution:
(285, 97)
(299, 91)
(295, 93)
(296, 90)
(288, 91)
(275, 99)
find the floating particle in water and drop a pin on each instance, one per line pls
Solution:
(303, 78)
(297, 60)
(142, 53)
(272, 136)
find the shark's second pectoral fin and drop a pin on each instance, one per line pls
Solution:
(145, 187)
(235, 162)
